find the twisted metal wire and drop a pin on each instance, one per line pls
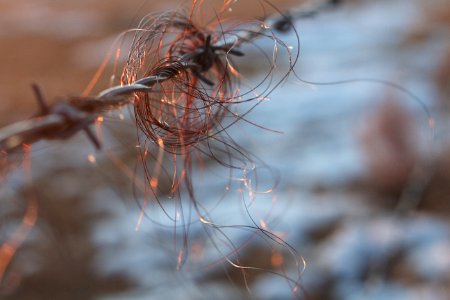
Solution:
(64, 119)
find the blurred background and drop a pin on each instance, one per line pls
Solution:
(363, 194)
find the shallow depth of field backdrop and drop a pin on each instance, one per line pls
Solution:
(363, 193)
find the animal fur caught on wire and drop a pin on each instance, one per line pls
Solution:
(196, 60)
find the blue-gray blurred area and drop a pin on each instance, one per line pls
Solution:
(353, 157)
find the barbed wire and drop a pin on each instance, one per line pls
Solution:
(66, 118)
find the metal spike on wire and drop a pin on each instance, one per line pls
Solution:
(64, 119)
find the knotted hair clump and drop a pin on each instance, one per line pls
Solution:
(199, 82)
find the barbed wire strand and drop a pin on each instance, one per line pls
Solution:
(66, 118)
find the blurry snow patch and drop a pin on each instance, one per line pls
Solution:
(361, 249)
(389, 291)
(358, 246)
(125, 250)
(272, 288)
(432, 262)
(179, 289)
